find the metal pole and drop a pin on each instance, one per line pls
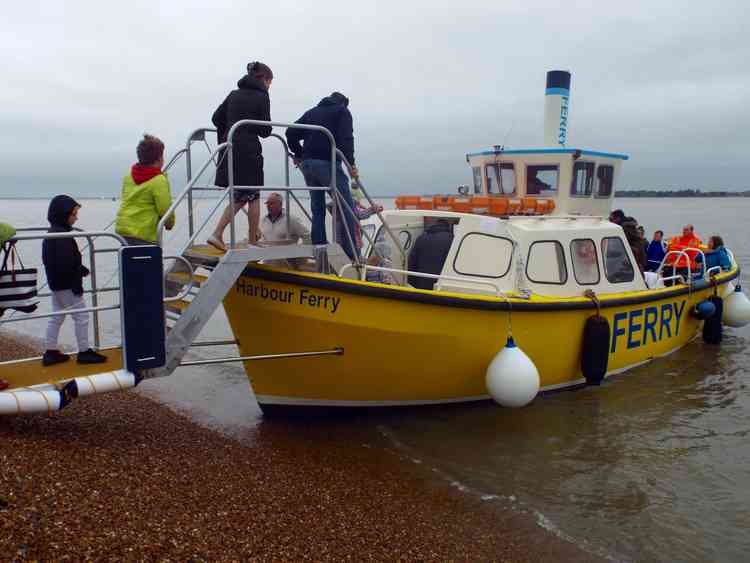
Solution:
(189, 174)
(334, 352)
(388, 230)
(94, 289)
(230, 166)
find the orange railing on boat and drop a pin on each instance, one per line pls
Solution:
(479, 205)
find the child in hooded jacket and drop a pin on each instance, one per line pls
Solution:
(65, 272)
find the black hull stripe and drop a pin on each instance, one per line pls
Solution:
(432, 298)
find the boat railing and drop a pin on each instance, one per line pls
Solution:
(373, 205)
(437, 277)
(680, 255)
(95, 290)
(340, 210)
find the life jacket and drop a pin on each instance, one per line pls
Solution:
(681, 243)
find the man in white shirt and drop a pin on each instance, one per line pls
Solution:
(273, 226)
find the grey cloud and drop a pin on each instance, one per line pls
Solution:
(662, 81)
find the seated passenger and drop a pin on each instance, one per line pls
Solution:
(273, 227)
(381, 258)
(584, 262)
(717, 255)
(682, 264)
(617, 216)
(630, 227)
(656, 251)
(429, 253)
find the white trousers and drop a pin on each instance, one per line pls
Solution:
(62, 300)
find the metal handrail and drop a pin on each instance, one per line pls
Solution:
(197, 135)
(365, 267)
(176, 201)
(373, 205)
(191, 280)
(683, 253)
(258, 122)
(95, 308)
(173, 160)
(59, 313)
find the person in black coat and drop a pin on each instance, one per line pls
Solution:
(65, 272)
(249, 101)
(429, 253)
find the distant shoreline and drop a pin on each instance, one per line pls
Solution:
(618, 195)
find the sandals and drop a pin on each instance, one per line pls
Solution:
(217, 243)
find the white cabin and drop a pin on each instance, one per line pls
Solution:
(546, 255)
(578, 181)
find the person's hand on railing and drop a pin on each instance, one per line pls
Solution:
(355, 172)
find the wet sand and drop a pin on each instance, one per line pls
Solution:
(120, 477)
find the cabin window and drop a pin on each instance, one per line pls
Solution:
(501, 179)
(605, 175)
(617, 265)
(477, 171)
(541, 180)
(484, 256)
(583, 179)
(546, 263)
(585, 264)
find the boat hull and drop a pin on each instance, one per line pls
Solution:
(411, 347)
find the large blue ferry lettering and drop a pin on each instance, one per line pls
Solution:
(617, 331)
(649, 324)
(639, 327)
(678, 315)
(665, 320)
(633, 329)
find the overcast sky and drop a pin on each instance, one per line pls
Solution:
(665, 82)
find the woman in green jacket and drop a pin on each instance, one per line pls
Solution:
(146, 196)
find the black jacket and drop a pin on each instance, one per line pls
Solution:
(333, 114)
(61, 257)
(249, 101)
(429, 254)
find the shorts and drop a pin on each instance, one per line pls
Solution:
(246, 196)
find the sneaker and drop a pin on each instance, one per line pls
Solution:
(52, 357)
(91, 357)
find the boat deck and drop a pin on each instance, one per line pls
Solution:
(31, 372)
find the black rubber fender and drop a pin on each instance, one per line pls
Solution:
(595, 352)
(712, 326)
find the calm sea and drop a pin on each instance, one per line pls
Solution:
(654, 465)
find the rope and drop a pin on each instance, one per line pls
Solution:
(589, 293)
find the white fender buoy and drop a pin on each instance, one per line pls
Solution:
(736, 308)
(512, 378)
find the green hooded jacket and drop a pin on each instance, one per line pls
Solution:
(7, 232)
(142, 206)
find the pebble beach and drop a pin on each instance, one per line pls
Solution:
(119, 477)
